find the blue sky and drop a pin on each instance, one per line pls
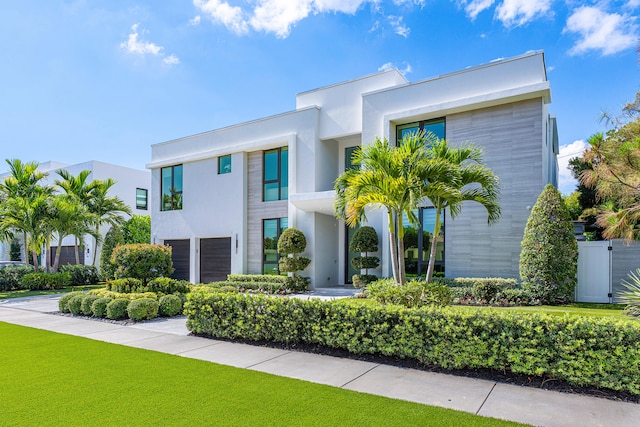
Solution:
(105, 79)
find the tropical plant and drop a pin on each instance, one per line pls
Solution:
(549, 256)
(364, 240)
(290, 245)
(67, 217)
(137, 229)
(631, 294)
(142, 261)
(474, 182)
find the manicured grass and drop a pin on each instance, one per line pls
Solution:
(576, 309)
(27, 293)
(55, 379)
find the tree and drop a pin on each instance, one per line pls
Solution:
(137, 229)
(396, 179)
(473, 182)
(549, 256)
(364, 240)
(112, 239)
(67, 217)
(290, 245)
(142, 261)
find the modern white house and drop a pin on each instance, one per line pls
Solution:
(224, 196)
(132, 187)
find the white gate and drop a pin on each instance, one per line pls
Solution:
(594, 272)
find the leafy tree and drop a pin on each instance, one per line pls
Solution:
(549, 256)
(66, 217)
(112, 239)
(572, 202)
(142, 261)
(473, 182)
(364, 240)
(137, 229)
(290, 245)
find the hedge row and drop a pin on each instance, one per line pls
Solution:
(162, 285)
(263, 283)
(583, 351)
(115, 306)
(23, 277)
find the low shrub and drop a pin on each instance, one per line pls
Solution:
(142, 309)
(126, 285)
(509, 297)
(631, 294)
(99, 307)
(257, 278)
(117, 309)
(75, 304)
(263, 283)
(362, 280)
(10, 277)
(80, 274)
(44, 281)
(123, 295)
(169, 305)
(63, 302)
(470, 282)
(167, 285)
(584, 351)
(87, 304)
(142, 261)
(414, 293)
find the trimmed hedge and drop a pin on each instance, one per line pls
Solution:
(169, 305)
(583, 351)
(43, 281)
(163, 285)
(414, 293)
(99, 307)
(87, 304)
(10, 277)
(80, 274)
(264, 283)
(470, 282)
(63, 302)
(142, 309)
(75, 304)
(117, 309)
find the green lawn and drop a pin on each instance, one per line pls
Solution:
(55, 379)
(27, 293)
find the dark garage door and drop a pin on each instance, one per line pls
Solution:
(67, 255)
(215, 259)
(180, 258)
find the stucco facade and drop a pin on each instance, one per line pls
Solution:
(501, 106)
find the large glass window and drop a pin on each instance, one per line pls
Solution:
(435, 127)
(171, 191)
(418, 239)
(276, 174)
(348, 158)
(141, 198)
(224, 164)
(271, 231)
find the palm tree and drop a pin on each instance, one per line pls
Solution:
(475, 182)
(394, 178)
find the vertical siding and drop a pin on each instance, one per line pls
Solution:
(624, 260)
(512, 138)
(257, 210)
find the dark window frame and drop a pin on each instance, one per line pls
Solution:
(174, 194)
(278, 179)
(420, 124)
(220, 169)
(146, 199)
(279, 231)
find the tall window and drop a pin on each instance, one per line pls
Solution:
(418, 240)
(348, 156)
(271, 231)
(276, 174)
(224, 164)
(171, 191)
(141, 198)
(435, 126)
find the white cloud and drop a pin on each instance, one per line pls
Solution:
(608, 33)
(140, 47)
(632, 4)
(566, 182)
(474, 7)
(344, 6)
(420, 3)
(223, 13)
(277, 16)
(171, 60)
(513, 13)
(550, 68)
(398, 27)
(195, 21)
(389, 65)
(497, 59)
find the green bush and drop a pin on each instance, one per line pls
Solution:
(63, 302)
(414, 293)
(549, 256)
(290, 245)
(44, 281)
(125, 286)
(631, 294)
(584, 351)
(99, 307)
(10, 277)
(113, 238)
(142, 261)
(470, 282)
(117, 309)
(257, 278)
(142, 309)
(167, 285)
(75, 304)
(169, 305)
(362, 280)
(87, 304)
(263, 283)
(509, 297)
(365, 239)
(80, 274)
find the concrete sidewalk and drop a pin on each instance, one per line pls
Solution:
(482, 397)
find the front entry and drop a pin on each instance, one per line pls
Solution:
(215, 259)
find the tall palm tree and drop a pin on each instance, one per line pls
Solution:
(475, 182)
(394, 178)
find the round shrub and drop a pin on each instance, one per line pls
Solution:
(362, 280)
(75, 304)
(99, 307)
(142, 309)
(63, 302)
(167, 285)
(87, 304)
(169, 305)
(117, 309)
(142, 261)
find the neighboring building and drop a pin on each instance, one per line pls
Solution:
(225, 195)
(132, 187)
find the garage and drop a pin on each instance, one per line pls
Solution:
(180, 258)
(67, 255)
(215, 259)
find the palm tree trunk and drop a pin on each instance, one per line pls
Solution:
(402, 273)
(95, 249)
(432, 252)
(56, 262)
(394, 248)
(47, 257)
(25, 249)
(34, 257)
(75, 244)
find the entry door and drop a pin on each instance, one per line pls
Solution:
(180, 250)
(594, 272)
(215, 259)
